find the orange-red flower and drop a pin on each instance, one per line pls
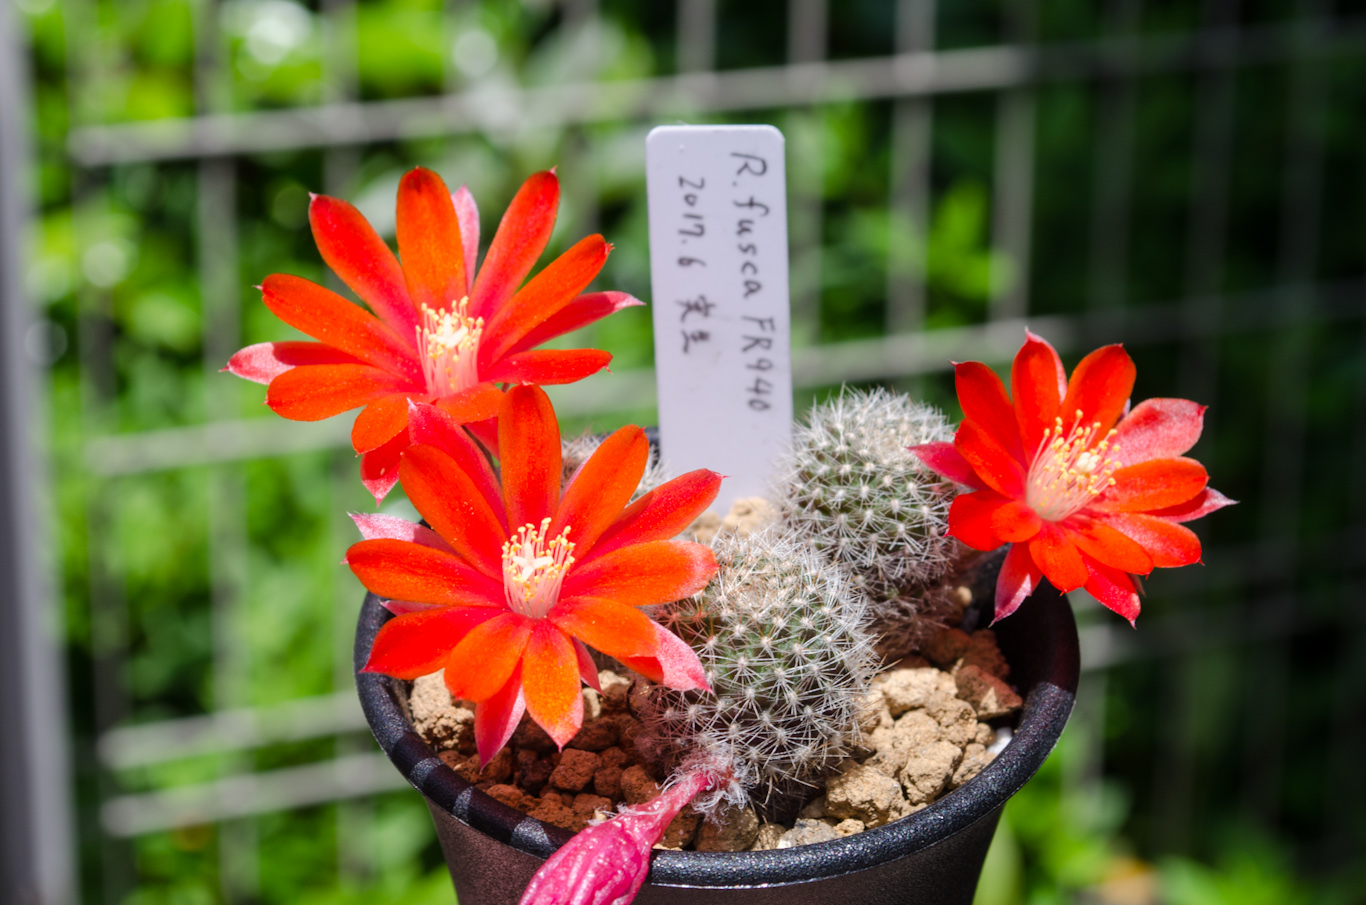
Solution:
(439, 333)
(1086, 492)
(515, 577)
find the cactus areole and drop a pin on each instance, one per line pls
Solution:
(933, 856)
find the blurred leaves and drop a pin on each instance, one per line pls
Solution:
(115, 266)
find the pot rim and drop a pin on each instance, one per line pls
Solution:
(1040, 642)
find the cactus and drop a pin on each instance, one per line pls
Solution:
(784, 645)
(901, 624)
(853, 490)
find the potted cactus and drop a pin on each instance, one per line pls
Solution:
(756, 650)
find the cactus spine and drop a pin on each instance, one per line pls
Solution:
(852, 489)
(786, 652)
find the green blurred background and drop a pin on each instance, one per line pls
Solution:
(1188, 178)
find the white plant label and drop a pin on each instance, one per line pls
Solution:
(718, 263)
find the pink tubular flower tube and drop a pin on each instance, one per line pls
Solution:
(606, 864)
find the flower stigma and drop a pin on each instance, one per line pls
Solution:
(450, 340)
(533, 569)
(1069, 471)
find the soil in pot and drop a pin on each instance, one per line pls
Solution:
(932, 724)
(930, 858)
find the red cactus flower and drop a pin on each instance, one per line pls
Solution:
(1086, 492)
(511, 582)
(439, 332)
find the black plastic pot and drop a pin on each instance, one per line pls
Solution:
(933, 857)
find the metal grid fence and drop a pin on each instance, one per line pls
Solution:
(1288, 315)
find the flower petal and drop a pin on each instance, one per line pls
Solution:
(379, 422)
(581, 312)
(947, 462)
(606, 625)
(1198, 506)
(1099, 388)
(1114, 589)
(430, 425)
(404, 607)
(970, 519)
(404, 571)
(263, 362)
(996, 467)
(315, 392)
(455, 508)
(588, 670)
(357, 254)
(521, 237)
(1018, 579)
(344, 326)
(544, 295)
(548, 367)
(418, 644)
(602, 488)
(1155, 484)
(429, 241)
(467, 213)
(1014, 521)
(984, 401)
(496, 717)
(1037, 385)
(1057, 558)
(660, 514)
(375, 526)
(529, 451)
(1101, 542)
(675, 665)
(550, 681)
(1158, 429)
(477, 403)
(644, 574)
(379, 467)
(485, 659)
(486, 431)
(1168, 544)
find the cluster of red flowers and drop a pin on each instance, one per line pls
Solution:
(513, 577)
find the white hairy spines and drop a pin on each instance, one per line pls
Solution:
(851, 488)
(787, 653)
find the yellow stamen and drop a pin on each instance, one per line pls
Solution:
(1070, 469)
(450, 343)
(533, 569)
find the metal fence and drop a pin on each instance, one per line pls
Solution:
(1262, 593)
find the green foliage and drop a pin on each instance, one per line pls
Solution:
(114, 264)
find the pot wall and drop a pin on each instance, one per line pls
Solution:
(933, 856)
(488, 872)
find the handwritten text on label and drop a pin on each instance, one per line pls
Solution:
(719, 272)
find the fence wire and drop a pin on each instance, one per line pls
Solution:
(1289, 579)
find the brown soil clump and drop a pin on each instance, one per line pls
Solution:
(925, 734)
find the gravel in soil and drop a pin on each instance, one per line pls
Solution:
(931, 724)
